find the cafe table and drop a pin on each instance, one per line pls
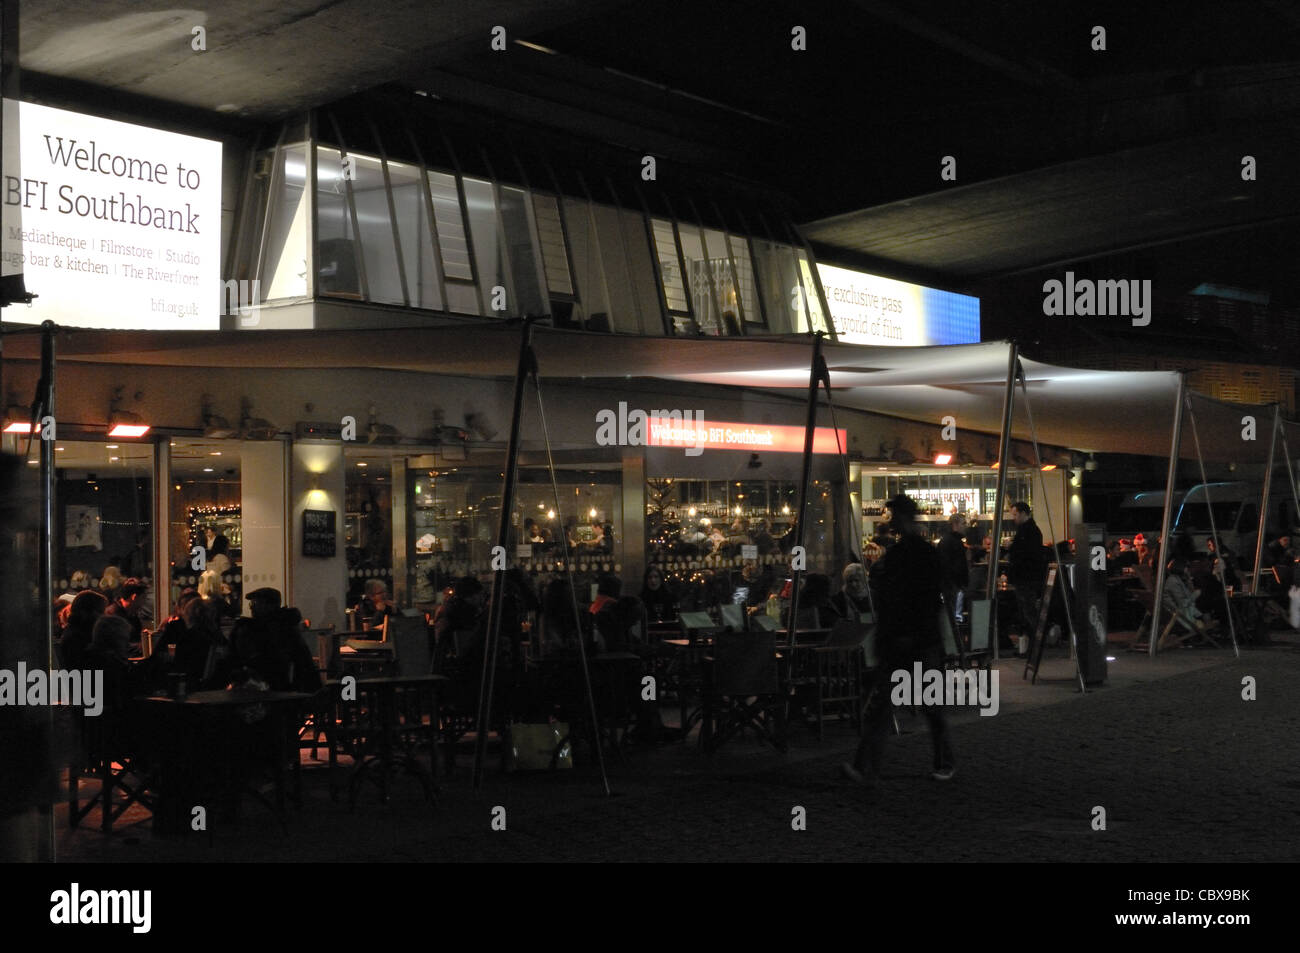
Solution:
(381, 726)
(221, 733)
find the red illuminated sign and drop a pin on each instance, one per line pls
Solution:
(718, 435)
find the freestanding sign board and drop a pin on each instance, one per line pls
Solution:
(1090, 602)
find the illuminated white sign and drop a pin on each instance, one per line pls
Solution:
(112, 225)
(868, 309)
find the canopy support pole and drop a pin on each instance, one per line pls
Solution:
(1263, 503)
(527, 365)
(1214, 532)
(1067, 589)
(818, 374)
(1172, 478)
(1004, 448)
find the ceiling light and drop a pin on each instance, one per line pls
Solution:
(362, 463)
(214, 453)
(1048, 466)
(207, 469)
(110, 446)
(17, 420)
(124, 423)
(127, 429)
(942, 459)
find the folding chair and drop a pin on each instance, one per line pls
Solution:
(744, 691)
(107, 745)
(733, 617)
(683, 672)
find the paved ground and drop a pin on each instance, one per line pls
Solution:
(1185, 769)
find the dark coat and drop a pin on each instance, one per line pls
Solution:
(952, 557)
(1027, 556)
(907, 596)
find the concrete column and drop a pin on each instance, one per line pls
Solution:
(264, 508)
(320, 584)
(631, 551)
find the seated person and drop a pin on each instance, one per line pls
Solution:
(462, 614)
(660, 606)
(1180, 597)
(270, 644)
(130, 605)
(854, 599)
(1125, 557)
(109, 651)
(75, 642)
(815, 609)
(185, 641)
(716, 540)
(375, 606)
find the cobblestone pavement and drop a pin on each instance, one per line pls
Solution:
(1184, 767)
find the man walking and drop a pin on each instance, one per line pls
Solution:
(1028, 566)
(907, 580)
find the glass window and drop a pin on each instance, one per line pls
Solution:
(812, 317)
(641, 270)
(555, 258)
(778, 279)
(104, 518)
(414, 236)
(705, 278)
(367, 519)
(745, 272)
(383, 281)
(207, 510)
(284, 274)
(480, 204)
(451, 227)
(718, 253)
(587, 267)
(669, 265)
(621, 314)
(336, 245)
(521, 252)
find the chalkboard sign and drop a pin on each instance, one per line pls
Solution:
(319, 535)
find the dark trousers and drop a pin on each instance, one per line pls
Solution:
(1029, 600)
(878, 717)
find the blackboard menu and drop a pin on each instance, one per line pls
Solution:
(319, 533)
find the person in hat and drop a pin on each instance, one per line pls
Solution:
(270, 644)
(908, 603)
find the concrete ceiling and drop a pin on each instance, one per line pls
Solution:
(262, 60)
(1064, 153)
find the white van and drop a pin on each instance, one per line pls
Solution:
(1236, 515)
(1142, 512)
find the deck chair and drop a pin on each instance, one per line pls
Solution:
(1178, 628)
(744, 692)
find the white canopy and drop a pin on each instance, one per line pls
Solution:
(1088, 410)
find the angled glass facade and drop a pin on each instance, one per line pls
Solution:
(398, 219)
